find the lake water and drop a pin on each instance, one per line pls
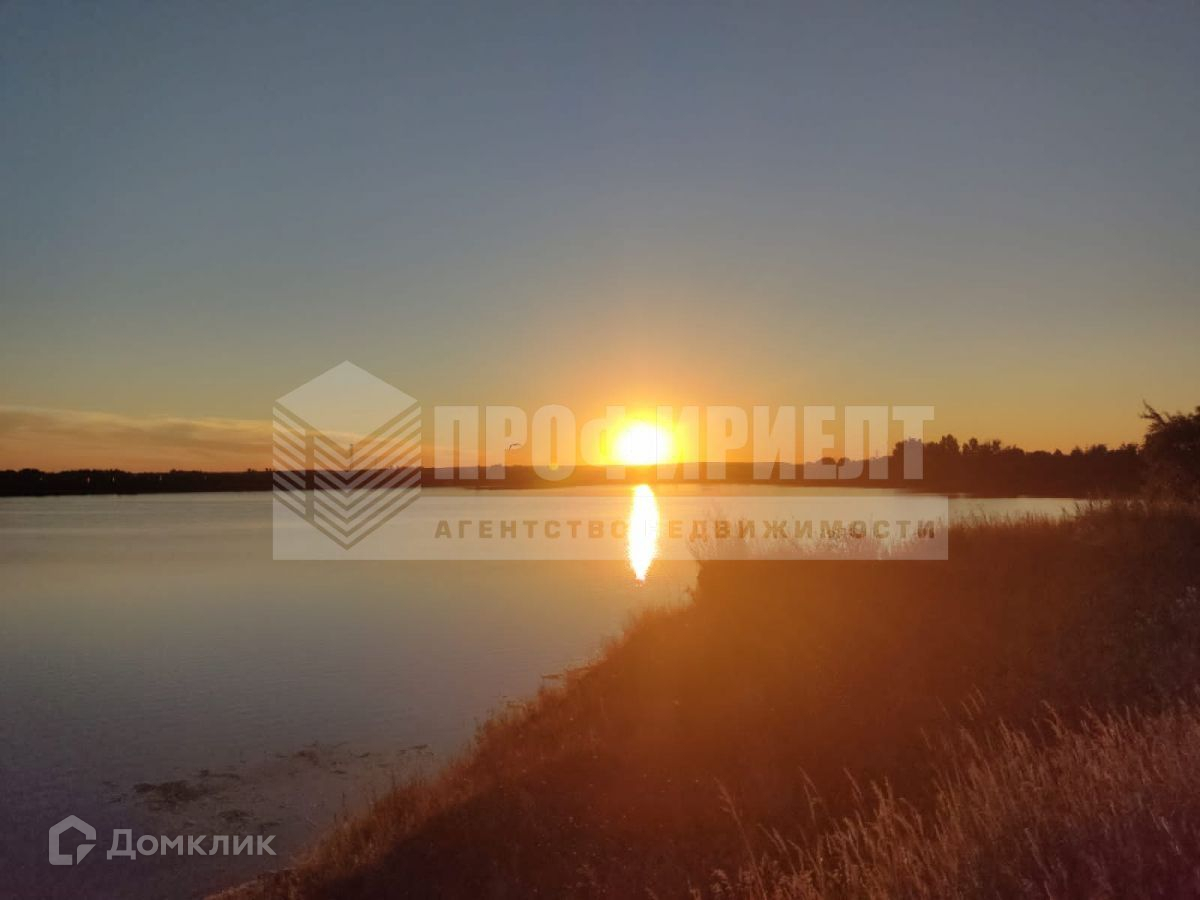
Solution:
(160, 672)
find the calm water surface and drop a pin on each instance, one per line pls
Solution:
(149, 640)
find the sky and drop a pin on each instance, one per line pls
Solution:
(993, 209)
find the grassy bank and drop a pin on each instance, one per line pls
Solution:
(789, 688)
(1109, 808)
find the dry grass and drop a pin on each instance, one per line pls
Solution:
(778, 681)
(1108, 809)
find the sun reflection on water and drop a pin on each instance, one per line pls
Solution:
(643, 531)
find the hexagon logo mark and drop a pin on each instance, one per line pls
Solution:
(346, 448)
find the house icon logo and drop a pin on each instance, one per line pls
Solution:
(58, 858)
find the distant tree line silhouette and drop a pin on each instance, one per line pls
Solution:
(990, 467)
(1165, 464)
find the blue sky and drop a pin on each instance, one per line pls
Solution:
(993, 208)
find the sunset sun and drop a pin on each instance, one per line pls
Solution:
(642, 444)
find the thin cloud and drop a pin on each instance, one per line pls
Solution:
(55, 439)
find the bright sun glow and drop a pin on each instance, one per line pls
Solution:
(643, 444)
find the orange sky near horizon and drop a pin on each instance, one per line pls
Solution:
(54, 440)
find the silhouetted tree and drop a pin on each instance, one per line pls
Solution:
(1171, 451)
